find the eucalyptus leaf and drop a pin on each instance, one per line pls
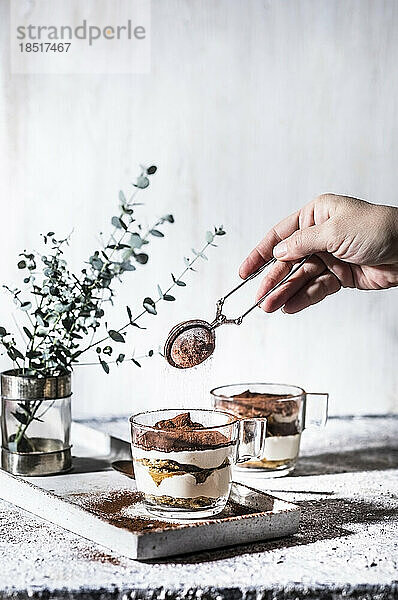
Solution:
(142, 258)
(120, 358)
(96, 262)
(209, 237)
(127, 211)
(156, 233)
(28, 333)
(149, 306)
(127, 266)
(21, 417)
(134, 324)
(136, 362)
(177, 281)
(116, 222)
(135, 240)
(105, 366)
(25, 408)
(18, 354)
(33, 354)
(123, 224)
(142, 182)
(116, 336)
(129, 313)
(219, 230)
(128, 253)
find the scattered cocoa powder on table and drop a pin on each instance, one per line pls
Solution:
(112, 509)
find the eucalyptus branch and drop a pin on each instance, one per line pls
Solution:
(121, 359)
(69, 307)
(65, 309)
(150, 305)
(25, 306)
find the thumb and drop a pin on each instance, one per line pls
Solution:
(303, 242)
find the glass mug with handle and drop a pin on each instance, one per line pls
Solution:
(288, 410)
(183, 458)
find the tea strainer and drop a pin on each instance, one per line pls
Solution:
(191, 342)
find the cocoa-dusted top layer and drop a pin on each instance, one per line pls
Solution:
(182, 421)
(253, 404)
(180, 434)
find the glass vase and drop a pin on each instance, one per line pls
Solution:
(35, 424)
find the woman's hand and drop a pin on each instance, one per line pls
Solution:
(353, 244)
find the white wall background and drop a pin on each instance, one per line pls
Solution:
(251, 108)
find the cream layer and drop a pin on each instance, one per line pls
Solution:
(205, 459)
(282, 447)
(184, 486)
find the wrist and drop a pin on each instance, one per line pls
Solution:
(391, 228)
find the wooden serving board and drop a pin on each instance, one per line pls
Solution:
(102, 505)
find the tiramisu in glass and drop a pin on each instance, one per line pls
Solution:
(284, 407)
(183, 460)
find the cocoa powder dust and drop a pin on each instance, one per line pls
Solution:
(114, 506)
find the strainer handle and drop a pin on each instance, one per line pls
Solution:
(222, 319)
(252, 276)
(281, 282)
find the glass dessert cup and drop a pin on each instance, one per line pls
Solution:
(183, 459)
(288, 410)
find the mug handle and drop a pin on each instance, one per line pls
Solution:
(315, 410)
(252, 435)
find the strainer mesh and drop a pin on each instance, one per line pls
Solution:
(192, 346)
